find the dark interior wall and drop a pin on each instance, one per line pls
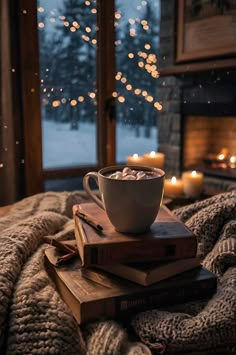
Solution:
(11, 131)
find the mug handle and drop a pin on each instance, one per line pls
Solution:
(94, 175)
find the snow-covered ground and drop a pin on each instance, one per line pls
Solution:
(63, 147)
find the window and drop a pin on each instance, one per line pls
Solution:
(136, 49)
(98, 79)
(68, 44)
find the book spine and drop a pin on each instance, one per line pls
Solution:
(117, 306)
(123, 253)
(166, 297)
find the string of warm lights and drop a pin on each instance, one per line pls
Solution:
(120, 98)
(92, 95)
(136, 91)
(146, 61)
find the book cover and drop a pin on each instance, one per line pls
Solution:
(145, 274)
(167, 239)
(89, 300)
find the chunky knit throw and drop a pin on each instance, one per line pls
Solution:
(35, 320)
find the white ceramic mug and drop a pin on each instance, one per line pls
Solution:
(131, 205)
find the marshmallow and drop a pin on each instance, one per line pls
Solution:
(129, 174)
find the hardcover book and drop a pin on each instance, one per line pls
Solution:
(167, 239)
(145, 274)
(114, 297)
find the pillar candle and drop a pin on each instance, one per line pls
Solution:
(156, 160)
(173, 187)
(193, 183)
(232, 162)
(134, 159)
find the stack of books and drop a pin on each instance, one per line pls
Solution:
(117, 273)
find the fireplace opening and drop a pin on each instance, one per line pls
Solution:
(209, 145)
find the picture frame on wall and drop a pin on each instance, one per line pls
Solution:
(205, 29)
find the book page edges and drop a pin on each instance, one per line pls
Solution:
(172, 269)
(151, 275)
(78, 230)
(126, 272)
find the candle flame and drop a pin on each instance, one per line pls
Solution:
(173, 180)
(224, 151)
(194, 173)
(135, 156)
(152, 154)
(220, 156)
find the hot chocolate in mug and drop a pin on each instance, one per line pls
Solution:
(130, 195)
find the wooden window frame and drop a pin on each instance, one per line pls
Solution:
(30, 90)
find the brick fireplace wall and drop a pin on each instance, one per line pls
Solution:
(205, 135)
(210, 93)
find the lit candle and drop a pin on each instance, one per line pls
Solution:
(134, 159)
(223, 154)
(193, 183)
(173, 187)
(220, 156)
(154, 159)
(232, 162)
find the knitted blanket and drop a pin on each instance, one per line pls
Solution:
(35, 320)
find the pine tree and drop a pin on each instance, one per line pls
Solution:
(76, 58)
(47, 62)
(136, 60)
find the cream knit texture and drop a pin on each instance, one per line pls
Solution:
(35, 320)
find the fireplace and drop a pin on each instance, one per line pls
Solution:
(209, 145)
(197, 127)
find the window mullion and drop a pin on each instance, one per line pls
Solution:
(106, 82)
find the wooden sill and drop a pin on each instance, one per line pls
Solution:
(198, 67)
